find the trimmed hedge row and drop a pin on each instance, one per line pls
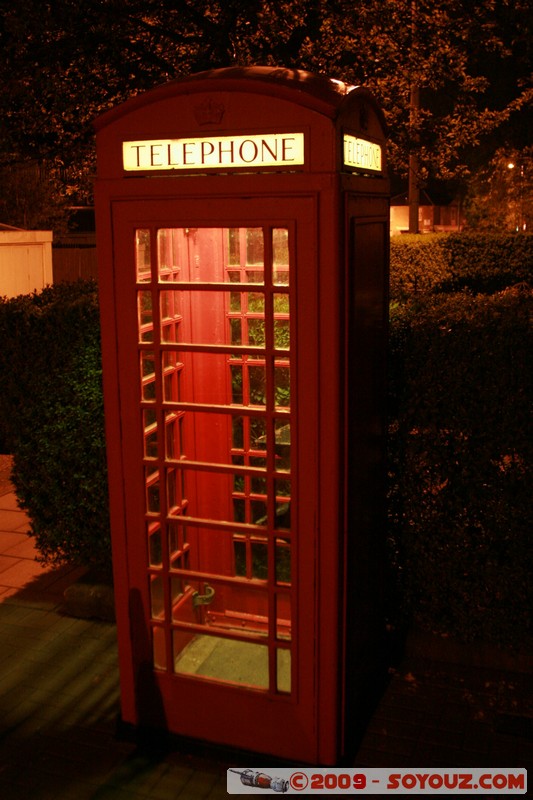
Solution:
(459, 446)
(460, 435)
(460, 464)
(480, 263)
(52, 408)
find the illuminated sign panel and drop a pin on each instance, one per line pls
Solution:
(214, 152)
(362, 154)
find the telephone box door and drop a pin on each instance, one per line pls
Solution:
(218, 451)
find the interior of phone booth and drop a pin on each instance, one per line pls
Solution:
(221, 313)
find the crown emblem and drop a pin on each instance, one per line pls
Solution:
(209, 112)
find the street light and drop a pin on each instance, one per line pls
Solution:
(521, 224)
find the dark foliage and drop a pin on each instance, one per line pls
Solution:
(459, 446)
(52, 412)
(480, 263)
(460, 442)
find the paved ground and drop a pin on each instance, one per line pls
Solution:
(59, 703)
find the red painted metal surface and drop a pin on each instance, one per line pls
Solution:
(243, 319)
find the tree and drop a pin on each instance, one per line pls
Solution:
(66, 62)
(440, 48)
(501, 194)
(33, 196)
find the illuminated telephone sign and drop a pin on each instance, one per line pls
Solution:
(216, 152)
(362, 154)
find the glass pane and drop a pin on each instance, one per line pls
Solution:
(282, 386)
(258, 512)
(257, 437)
(283, 445)
(142, 255)
(235, 301)
(220, 659)
(258, 461)
(157, 600)
(148, 375)
(177, 590)
(172, 372)
(256, 386)
(171, 253)
(239, 552)
(211, 496)
(171, 317)
(175, 490)
(154, 544)
(149, 416)
(283, 670)
(236, 384)
(241, 607)
(245, 248)
(211, 437)
(248, 437)
(208, 378)
(235, 331)
(239, 510)
(282, 488)
(256, 333)
(193, 317)
(282, 520)
(281, 304)
(251, 558)
(280, 251)
(214, 254)
(178, 544)
(152, 490)
(237, 433)
(150, 434)
(254, 246)
(280, 276)
(255, 302)
(192, 254)
(174, 448)
(258, 485)
(145, 317)
(283, 561)
(255, 276)
(234, 247)
(259, 560)
(282, 334)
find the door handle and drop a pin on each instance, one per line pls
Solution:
(203, 599)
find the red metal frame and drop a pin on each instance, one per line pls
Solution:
(202, 375)
(212, 566)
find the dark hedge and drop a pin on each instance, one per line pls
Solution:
(459, 446)
(460, 463)
(53, 423)
(482, 263)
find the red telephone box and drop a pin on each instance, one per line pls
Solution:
(243, 236)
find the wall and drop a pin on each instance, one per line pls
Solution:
(430, 218)
(75, 257)
(25, 261)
